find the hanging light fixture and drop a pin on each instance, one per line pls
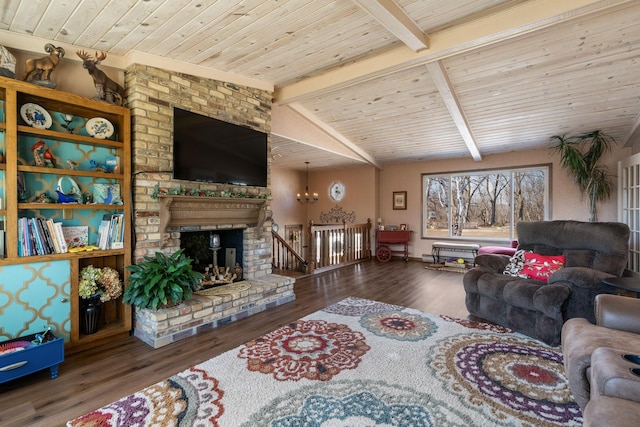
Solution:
(307, 197)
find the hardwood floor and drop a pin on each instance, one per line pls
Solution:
(96, 377)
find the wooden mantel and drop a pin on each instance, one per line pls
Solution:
(178, 211)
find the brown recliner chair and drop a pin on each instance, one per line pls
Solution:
(599, 362)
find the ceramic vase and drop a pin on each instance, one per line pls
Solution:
(90, 314)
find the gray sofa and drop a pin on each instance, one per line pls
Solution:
(599, 375)
(593, 252)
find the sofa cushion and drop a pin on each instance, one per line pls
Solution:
(599, 245)
(579, 339)
(516, 262)
(541, 267)
(610, 411)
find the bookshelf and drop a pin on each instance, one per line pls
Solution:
(66, 159)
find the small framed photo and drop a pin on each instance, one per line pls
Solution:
(399, 200)
(403, 227)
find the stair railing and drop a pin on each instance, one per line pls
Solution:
(284, 257)
(336, 245)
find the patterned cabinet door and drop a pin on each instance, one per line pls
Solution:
(36, 296)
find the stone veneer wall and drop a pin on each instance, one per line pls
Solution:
(151, 95)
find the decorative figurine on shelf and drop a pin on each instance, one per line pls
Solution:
(63, 198)
(106, 89)
(38, 70)
(109, 199)
(96, 167)
(68, 119)
(22, 188)
(71, 165)
(72, 196)
(87, 198)
(43, 198)
(42, 156)
(237, 271)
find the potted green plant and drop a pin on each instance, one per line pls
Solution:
(579, 155)
(161, 281)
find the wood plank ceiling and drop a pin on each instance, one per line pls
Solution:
(378, 81)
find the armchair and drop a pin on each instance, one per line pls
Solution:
(599, 377)
(592, 251)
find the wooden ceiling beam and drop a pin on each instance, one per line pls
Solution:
(450, 98)
(395, 19)
(288, 123)
(334, 134)
(634, 133)
(522, 18)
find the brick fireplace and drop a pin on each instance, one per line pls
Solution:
(152, 94)
(258, 292)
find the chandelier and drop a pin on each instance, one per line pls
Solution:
(307, 197)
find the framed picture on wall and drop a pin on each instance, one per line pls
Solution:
(399, 200)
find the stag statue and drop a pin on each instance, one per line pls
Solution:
(106, 89)
(38, 70)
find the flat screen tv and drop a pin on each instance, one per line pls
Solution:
(211, 150)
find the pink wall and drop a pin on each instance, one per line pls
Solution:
(285, 184)
(361, 195)
(369, 192)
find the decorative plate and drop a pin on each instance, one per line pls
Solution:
(99, 128)
(36, 116)
(336, 191)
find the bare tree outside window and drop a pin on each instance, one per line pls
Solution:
(484, 204)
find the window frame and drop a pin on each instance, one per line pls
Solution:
(545, 167)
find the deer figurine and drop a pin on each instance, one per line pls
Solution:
(40, 69)
(106, 89)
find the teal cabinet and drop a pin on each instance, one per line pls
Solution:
(33, 297)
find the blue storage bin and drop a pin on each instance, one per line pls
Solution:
(32, 359)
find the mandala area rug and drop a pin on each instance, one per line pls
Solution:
(363, 363)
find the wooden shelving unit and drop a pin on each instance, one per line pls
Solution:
(79, 146)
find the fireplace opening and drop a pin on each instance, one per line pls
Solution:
(208, 249)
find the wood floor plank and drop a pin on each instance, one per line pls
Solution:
(98, 376)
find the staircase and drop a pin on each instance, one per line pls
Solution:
(285, 260)
(331, 246)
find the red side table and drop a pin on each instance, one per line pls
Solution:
(385, 238)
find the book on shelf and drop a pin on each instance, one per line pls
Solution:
(52, 234)
(40, 236)
(57, 226)
(41, 244)
(103, 232)
(76, 236)
(117, 234)
(47, 238)
(29, 237)
(111, 231)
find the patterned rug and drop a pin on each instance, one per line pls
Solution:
(363, 363)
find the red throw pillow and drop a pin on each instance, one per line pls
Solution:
(540, 267)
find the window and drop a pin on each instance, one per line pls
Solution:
(484, 205)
